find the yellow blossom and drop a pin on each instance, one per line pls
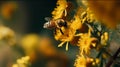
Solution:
(66, 37)
(76, 24)
(80, 62)
(68, 32)
(60, 10)
(85, 42)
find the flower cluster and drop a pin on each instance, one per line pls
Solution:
(84, 31)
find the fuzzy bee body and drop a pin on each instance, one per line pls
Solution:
(55, 24)
(49, 25)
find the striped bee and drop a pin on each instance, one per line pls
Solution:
(54, 24)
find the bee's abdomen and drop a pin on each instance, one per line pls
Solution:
(49, 25)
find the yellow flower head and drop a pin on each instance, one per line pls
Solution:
(76, 24)
(80, 62)
(85, 42)
(60, 10)
(67, 37)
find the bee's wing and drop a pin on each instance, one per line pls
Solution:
(48, 18)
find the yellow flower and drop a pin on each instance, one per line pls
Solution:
(80, 62)
(85, 42)
(69, 32)
(66, 37)
(76, 24)
(60, 10)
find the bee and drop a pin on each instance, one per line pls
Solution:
(54, 24)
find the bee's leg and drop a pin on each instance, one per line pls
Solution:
(61, 31)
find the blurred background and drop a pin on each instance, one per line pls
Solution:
(22, 34)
